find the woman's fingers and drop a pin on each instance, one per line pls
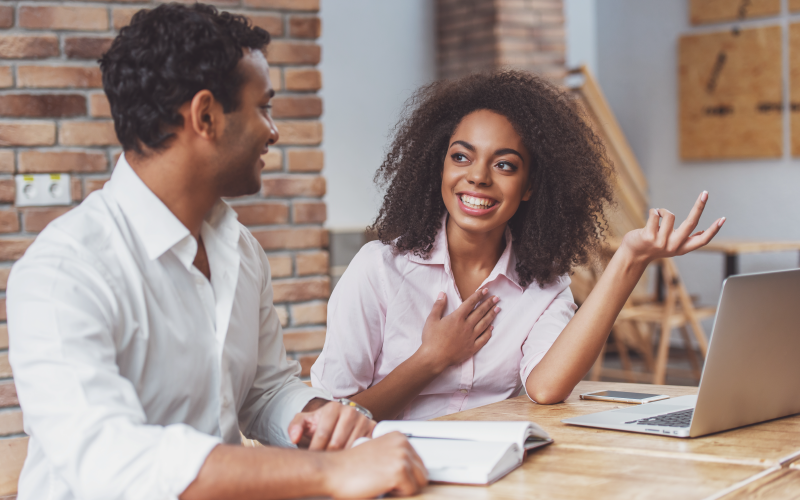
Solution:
(693, 219)
(665, 230)
(468, 305)
(483, 338)
(482, 310)
(486, 320)
(701, 238)
(651, 227)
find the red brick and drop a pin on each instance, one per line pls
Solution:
(280, 266)
(303, 79)
(293, 185)
(306, 5)
(304, 27)
(3, 315)
(283, 315)
(122, 17)
(299, 133)
(282, 52)
(42, 105)
(61, 161)
(24, 133)
(4, 272)
(59, 77)
(98, 106)
(7, 161)
(306, 160)
(63, 17)
(28, 47)
(86, 47)
(6, 78)
(296, 107)
(258, 214)
(275, 78)
(312, 263)
(93, 185)
(88, 133)
(311, 313)
(8, 395)
(312, 339)
(308, 212)
(272, 23)
(306, 362)
(35, 219)
(13, 248)
(8, 190)
(292, 238)
(76, 187)
(297, 290)
(4, 328)
(9, 221)
(273, 160)
(5, 366)
(6, 16)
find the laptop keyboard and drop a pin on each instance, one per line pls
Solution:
(681, 418)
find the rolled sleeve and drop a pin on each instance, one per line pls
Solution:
(545, 332)
(277, 394)
(84, 416)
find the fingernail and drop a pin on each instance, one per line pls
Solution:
(704, 196)
(657, 212)
(440, 296)
(721, 222)
(484, 291)
(497, 309)
(496, 299)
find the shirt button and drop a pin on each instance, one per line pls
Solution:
(463, 391)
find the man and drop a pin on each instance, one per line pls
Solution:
(143, 334)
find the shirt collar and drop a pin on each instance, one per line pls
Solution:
(154, 223)
(440, 254)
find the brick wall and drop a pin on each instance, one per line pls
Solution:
(478, 35)
(54, 118)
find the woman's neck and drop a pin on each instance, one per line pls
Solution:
(473, 255)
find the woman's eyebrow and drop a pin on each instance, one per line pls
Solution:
(463, 143)
(508, 151)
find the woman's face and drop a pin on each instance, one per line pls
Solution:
(485, 175)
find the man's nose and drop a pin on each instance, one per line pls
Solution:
(274, 135)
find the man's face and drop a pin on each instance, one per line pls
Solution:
(249, 131)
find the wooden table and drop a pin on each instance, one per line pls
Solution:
(599, 464)
(732, 250)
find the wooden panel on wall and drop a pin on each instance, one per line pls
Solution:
(730, 94)
(794, 5)
(794, 86)
(715, 11)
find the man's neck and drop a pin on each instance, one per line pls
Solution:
(176, 180)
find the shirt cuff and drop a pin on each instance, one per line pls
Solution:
(182, 452)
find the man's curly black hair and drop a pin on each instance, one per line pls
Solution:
(163, 58)
(560, 227)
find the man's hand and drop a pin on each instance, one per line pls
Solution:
(387, 464)
(329, 427)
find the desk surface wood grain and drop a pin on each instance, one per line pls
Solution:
(595, 463)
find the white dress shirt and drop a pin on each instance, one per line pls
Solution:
(130, 365)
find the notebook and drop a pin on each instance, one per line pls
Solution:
(466, 452)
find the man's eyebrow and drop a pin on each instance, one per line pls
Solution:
(463, 143)
(508, 151)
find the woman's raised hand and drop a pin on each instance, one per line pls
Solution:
(454, 338)
(656, 241)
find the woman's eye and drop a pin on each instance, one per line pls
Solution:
(506, 167)
(458, 157)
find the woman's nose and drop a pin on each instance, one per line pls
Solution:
(479, 174)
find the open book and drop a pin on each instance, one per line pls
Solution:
(467, 452)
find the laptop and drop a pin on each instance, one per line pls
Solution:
(751, 371)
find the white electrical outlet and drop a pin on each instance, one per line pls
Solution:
(43, 190)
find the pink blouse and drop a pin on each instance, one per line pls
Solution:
(378, 308)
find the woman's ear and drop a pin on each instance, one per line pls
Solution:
(528, 191)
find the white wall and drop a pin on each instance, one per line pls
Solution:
(581, 25)
(637, 66)
(374, 54)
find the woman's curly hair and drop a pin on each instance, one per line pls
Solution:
(559, 228)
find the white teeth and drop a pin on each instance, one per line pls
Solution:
(473, 202)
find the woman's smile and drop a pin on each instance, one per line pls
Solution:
(476, 204)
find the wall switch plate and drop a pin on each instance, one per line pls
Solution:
(43, 190)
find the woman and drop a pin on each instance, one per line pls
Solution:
(494, 183)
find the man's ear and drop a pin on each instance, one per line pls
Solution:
(206, 115)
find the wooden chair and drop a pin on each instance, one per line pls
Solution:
(635, 329)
